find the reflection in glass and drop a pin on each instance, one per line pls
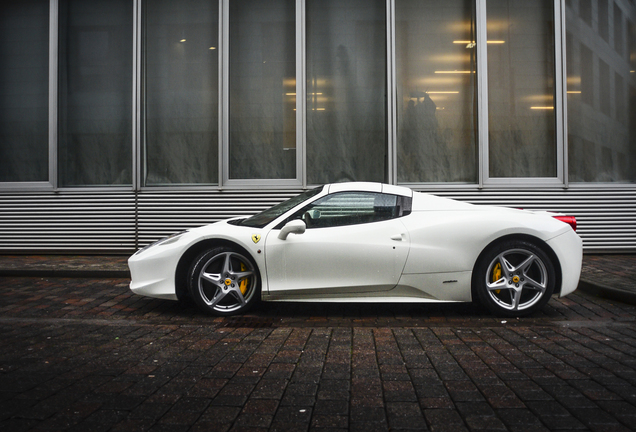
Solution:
(95, 92)
(346, 90)
(585, 11)
(349, 208)
(262, 89)
(435, 53)
(603, 16)
(521, 76)
(24, 85)
(618, 30)
(181, 92)
(601, 88)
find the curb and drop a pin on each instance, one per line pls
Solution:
(607, 292)
(66, 273)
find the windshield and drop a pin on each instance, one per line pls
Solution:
(263, 218)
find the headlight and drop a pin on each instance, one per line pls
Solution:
(164, 241)
(170, 239)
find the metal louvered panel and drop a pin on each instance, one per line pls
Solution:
(161, 214)
(606, 216)
(67, 223)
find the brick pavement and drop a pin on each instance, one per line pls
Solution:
(64, 265)
(88, 355)
(611, 276)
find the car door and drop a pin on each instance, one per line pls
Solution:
(354, 243)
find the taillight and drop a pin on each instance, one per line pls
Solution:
(570, 220)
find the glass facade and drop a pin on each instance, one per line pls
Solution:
(262, 90)
(436, 91)
(601, 92)
(181, 92)
(24, 88)
(293, 93)
(95, 92)
(346, 91)
(521, 89)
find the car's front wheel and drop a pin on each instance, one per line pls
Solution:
(223, 281)
(514, 278)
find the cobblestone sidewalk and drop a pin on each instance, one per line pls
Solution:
(612, 276)
(88, 355)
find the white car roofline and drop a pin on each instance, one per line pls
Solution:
(369, 187)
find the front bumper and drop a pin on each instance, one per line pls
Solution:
(153, 272)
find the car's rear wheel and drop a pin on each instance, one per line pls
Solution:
(514, 278)
(223, 281)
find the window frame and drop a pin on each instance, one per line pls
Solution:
(51, 183)
(140, 161)
(54, 156)
(224, 108)
(560, 107)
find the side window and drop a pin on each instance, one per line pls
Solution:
(349, 208)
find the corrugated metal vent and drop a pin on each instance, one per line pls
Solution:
(120, 222)
(72, 223)
(606, 217)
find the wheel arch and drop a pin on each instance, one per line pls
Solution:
(520, 237)
(188, 257)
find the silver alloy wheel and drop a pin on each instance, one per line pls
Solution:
(517, 279)
(227, 282)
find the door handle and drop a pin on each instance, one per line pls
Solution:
(397, 237)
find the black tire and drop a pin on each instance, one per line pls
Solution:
(223, 282)
(514, 278)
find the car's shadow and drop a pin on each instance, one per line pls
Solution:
(301, 314)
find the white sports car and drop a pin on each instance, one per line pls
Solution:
(367, 242)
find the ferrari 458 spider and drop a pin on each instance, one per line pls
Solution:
(367, 242)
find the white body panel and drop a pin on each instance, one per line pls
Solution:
(338, 261)
(568, 247)
(425, 256)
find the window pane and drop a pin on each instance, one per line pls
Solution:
(263, 218)
(95, 92)
(181, 91)
(521, 76)
(585, 11)
(262, 89)
(349, 208)
(24, 86)
(618, 30)
(601, 89)
(603, 28)
(435, 53)
(346, 90)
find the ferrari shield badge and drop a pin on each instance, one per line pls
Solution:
(256, 238)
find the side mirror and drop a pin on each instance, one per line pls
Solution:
(292, 227)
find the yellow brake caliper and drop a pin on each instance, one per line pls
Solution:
(243, 283)
(496, 275)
